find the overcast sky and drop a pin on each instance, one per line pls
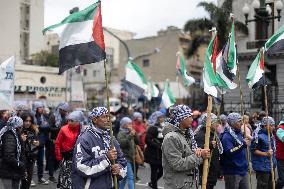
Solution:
(144, 17)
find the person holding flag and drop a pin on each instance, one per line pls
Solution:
(92, 167)
(233, 159)
(261, 153)
(180, 155)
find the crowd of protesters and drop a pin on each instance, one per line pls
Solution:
(80, 148)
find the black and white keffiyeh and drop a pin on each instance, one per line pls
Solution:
(97, 112)
(12, 124)
(179, 113)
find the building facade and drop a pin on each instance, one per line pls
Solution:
(247, 51)
(21, 24)
(156, 56)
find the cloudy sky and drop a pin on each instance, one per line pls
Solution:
(144, 17)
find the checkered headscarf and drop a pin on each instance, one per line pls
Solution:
(98, 111)
(267, 121)
(233, 118)
(179, 113)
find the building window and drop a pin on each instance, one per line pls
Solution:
(146, 63)
(85, 72)
(95, 73)
(55, 49)
(110, 56)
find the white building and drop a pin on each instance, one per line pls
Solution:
(21, 24)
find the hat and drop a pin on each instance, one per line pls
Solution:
(137, 115)
(233, 118)
(63, 106)
(154, 117)
(124, 121)
(267, 121)
(179, 113)
(214, 119)
(76, 116)
(15, 122)
(98, 111)
(38, 105)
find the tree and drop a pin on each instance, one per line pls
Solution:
(45, 58)
(219, 17)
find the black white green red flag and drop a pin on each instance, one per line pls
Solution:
(181, 70)
(255, 76)
(276, 42)
(81, 38)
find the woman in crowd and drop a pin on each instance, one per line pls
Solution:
(30, 147)
(64, 146)
(12, 164)
(127, 140)
(246, 125)
(153, 151)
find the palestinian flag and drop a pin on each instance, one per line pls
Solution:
(209, 78)
(168, 99)
(276, 42)
(81, 38)
(224, 76)
(230, 53)
(180, 66)
(255, 77)
(152, 90)
(135, 79)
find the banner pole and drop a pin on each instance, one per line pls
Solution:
(206, 144)
(109, 121)
(268, 127)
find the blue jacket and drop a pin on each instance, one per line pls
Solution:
(91, 168)
(233, 159)
(262, 163)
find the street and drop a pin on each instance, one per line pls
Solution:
(144, 175)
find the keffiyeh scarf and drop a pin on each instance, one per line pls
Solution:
(13, 123)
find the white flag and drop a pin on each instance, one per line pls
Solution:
(7, 84)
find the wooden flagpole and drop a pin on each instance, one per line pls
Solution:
(109, 121)
(245, 134)
(268, 127)
(206, 144)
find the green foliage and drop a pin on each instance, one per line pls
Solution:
(44, 58)
(220, 18)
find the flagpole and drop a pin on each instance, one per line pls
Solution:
(206, 144)
(177, 79)
(110, 123)
(245, 134)
(268, 127)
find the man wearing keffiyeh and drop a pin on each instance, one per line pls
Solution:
(93, 155)
(215, 146)
(260, 153)
(180, 155)
(233, 159)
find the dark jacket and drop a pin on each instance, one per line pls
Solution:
(262, 163)
(91, 168)
(153, 151)
(214, 164)
(10, 168)
(233, 159)
(126, 142)
(44, 128)
(30, 149)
